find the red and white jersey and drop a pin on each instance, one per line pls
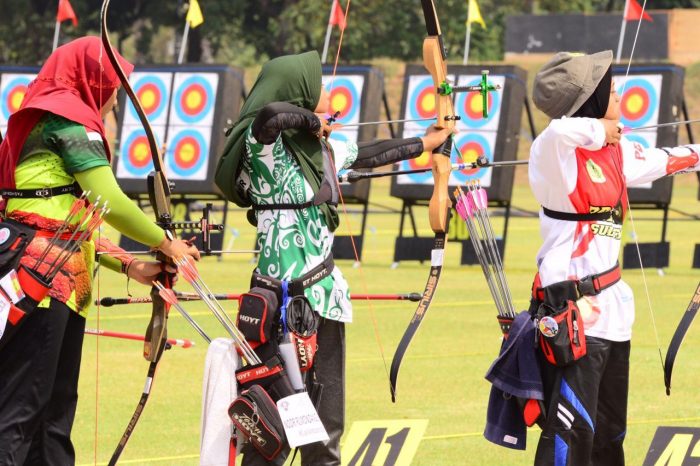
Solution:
(572, 170)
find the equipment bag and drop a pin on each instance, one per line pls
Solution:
(561, 333)
(255, 416)
(14, 239)
(257, 314)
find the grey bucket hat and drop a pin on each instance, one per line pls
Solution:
(567, 80)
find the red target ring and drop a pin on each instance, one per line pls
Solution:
(187, 152)
(422, 161)
(341, 101)
(150, 97)
(426, 103)
(471, 151)
(473, 105)
(139, 152)
(635, 103)
(193, 99)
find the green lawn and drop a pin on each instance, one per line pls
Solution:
(442, 375)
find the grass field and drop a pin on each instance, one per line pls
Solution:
(442, 375)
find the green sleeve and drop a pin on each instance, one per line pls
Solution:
(124, 215)
(112, 263)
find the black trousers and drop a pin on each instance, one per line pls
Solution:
(586, 408)
(329, 367)
(39, 370)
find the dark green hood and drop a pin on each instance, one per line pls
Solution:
(295, 79)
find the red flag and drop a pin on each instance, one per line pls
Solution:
(337, 16)
(634, 12)
(65, 11)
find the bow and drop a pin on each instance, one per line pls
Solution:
(434, 59)
(678, 336)
(159, 195)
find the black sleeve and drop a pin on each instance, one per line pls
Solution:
(387, 151)
(276, 117)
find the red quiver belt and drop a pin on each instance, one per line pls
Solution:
(255, 415)
(269, 374)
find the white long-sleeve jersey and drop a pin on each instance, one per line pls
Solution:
(572, 170)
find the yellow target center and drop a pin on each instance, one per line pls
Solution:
(16, 100)
(339, 102)
(148, 98)
(428, 103)
(470, 155)
(194, 99)
(476, 105)
(141, 152)
(423, 160)
(187, 152)
(635, 103)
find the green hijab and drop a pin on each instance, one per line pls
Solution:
(295, 79)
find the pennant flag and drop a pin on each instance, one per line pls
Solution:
(337, 16)
(65, 11)
(194, 14)
(475, 14)
(634, 12)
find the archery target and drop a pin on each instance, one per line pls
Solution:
(187, 153)
(471, 146)
(194, 98)
(13, 87)
(420, 102)
(639, 104)
(345, 97)
(469, 105)
(134, 154)
(153, 91)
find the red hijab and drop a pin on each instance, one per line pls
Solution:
(76, 80)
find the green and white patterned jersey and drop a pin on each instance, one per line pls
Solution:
(292, 242)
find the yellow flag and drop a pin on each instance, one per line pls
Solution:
(475, 14)
(194, 14)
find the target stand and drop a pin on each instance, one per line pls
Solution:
(188, 107)
(495, 137)
(652, 94)
(356, 92)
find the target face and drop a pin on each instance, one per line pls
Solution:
(420, 102)
(469, 105)
(194, 99)
(134, 154)
(472, 146)
(153, 91)
(187, 154)
(13, 87)
(639, 104)
(345, 97)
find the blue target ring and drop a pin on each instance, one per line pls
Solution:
(7, 95)
(418, 97)
(194, 84)
(472, 142)
(463, 106)
(642, 89)
(188, 139)
(135, 154)
(345, 89)
(155, 108)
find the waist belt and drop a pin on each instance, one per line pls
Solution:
(576, 217)
(41, 192)
(590, 285)
(298, 285)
